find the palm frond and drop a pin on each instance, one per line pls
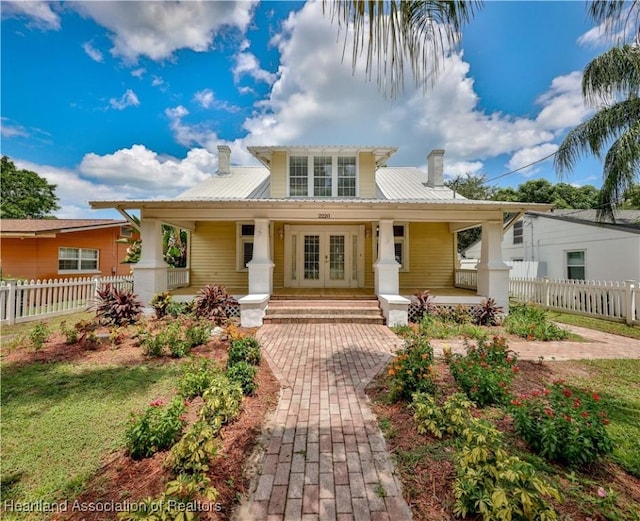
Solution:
(613, 74)
(393, 34)
(590, 137)
(617, 16)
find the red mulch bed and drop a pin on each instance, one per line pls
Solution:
(122, 479)
(427, 478)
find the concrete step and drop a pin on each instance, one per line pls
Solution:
(323, 319)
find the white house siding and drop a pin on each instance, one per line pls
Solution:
(610, 254)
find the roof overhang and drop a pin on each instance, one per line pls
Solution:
(53, 232)
(265, 153)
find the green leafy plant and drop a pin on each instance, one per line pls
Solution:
(457, 315)
(425, 304)
(533, 324)
(495, 485)
(196, 377)
(245, 374)
(245, 349)
(40, 333)
(452, 418)
(193, 453)
(157, 428)
(70, 333)
(485, 373)
(176, 309)
(117, 307)
(562, 423)
(411, 370)
(487, 313)
(198, 333)
(87, 333)
(222, 401)
(160, 303)
(152, 343)
(178, 347)
(212, 302)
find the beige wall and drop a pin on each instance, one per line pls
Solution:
(213, 256)
(278, 256)
(279, 175)
(367, 165)
(431, 257)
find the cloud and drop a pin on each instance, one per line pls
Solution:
(93, 53)
(40, 13)
(247, 64)
(563, 104)
(145, 171)
(128, 99)
(529, 155)
(157, 81)
(613, 30)
(139, 72)
(204, 97)
(9, 129)
(158, 29)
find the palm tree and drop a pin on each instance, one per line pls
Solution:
(400, 32)
(611, 85)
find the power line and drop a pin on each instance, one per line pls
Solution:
(522, 167)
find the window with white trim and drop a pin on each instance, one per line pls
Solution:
(323, 176)
(400, 245)
(518, 233)
(244, 241)
(575, 265)
(77, 260)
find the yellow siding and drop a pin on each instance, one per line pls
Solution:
(279, 175)
(278, 256)
(367, 167)
(431, 257)
(368, 258)
(213, 256)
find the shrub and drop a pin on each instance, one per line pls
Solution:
(197, 333)
(155, 429)
(221, 401)
(245, 349)
(533, 324)
(152, 344)
(411, 370)
(175, 309)
(87, 333)
(425, 304)
(486, 371)
(160, 303)
(194, 451)
(117, 307)
(562, 424)
(245, 374)
(495, 485)
(70, 333)
(39, 335)
(212, 302)
(178, 347)
(451, 418)
(487, 313)
(196, 377)
(457, 315)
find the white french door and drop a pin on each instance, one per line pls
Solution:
(328, 257)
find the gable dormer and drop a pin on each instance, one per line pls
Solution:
(322, 172)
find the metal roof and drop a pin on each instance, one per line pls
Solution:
(34, 226)
(409, 183)
(243, 182)
(627, 220)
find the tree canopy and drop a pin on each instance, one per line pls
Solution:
(25, 194)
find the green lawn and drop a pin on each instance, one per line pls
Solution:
(606, 326)
(61, 420)
(618, 383)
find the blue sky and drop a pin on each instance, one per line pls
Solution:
(120, 100)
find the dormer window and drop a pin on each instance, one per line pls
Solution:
(332, 176)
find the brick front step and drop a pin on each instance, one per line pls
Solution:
(323, 311)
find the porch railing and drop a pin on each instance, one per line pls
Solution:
(177, 278)
(466, 279)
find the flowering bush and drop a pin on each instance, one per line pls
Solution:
(562, 424)
(411, 370)
(486, 371)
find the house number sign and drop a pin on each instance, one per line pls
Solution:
(324, 216)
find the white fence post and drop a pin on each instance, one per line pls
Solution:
(630, 301)
(547, 291)
(96, 287)
(11, 302)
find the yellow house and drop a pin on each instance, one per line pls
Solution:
(318, 220)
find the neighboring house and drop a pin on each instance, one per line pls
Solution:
(63, 248)
(318, 220)
(572, 244)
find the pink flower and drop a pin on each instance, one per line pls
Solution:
(158, 402)
(602, 492)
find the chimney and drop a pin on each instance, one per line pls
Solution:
(224, 159)
(435, 168)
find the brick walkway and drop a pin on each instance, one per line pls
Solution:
(326, 458)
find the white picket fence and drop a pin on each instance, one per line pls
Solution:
(23, 301)
(616, 301)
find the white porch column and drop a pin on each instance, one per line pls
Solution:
(493, 273)
(261, 265)
(150, 273)
(386, 267)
